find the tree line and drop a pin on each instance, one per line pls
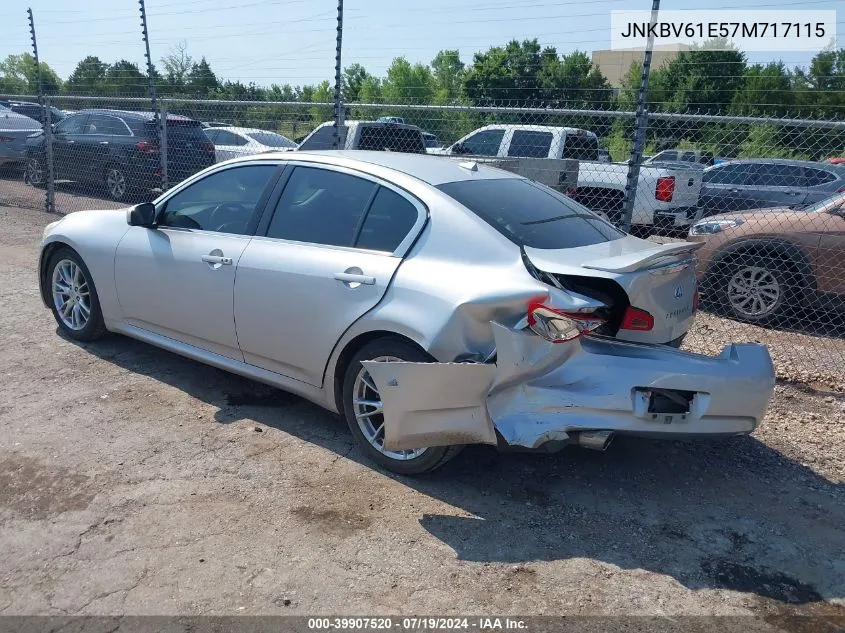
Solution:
(706, 80)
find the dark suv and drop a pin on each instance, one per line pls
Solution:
(119, 149)
(33, 110)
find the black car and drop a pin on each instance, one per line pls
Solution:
(760, 183)
(33, 110)
(120, 150)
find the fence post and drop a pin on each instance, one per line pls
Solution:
(338, 110)
(640, 127)
(150, 75)
(47, 124)
(165, 184)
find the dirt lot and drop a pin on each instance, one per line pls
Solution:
(134, 481)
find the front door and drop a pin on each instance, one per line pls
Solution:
(67, 161)
(328, 256)
(178, 280)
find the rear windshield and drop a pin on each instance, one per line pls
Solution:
(531, 215)
(581, 147)
(271, 140)
(392, 138)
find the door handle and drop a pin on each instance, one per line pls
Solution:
(71, 142)
(104, 142)
(217, 259)
(355, 278)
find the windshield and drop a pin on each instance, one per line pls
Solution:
(828, 205)
(271, 139)
(529, 214)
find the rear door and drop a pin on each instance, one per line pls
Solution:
(104, 134)
(327, 256)
(776, 185)
(820, 184)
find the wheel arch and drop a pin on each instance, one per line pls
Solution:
(337, 368)
(43, 263)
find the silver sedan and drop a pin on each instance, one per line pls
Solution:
(433, 303)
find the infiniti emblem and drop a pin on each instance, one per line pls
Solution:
(679, 292)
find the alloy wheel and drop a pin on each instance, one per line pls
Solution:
(71, 294)
(116, 183)
(34, 172)
(369, 413)
(754, 291)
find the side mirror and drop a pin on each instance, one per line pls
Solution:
(143, 214)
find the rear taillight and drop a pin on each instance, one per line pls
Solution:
(665, 188)
(638, 320)
(145, 147)
(558, 326)
(208, 148)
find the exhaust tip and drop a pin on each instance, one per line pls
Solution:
(594, 440)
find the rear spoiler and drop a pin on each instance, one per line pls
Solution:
(633, 262)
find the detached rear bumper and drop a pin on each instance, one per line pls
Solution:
(538, 392)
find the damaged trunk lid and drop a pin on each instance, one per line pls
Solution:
(650, 289)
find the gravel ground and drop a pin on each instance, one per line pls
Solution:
(135, 481)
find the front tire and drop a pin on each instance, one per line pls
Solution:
(362, 410)
(756, 288)
(74, 301)
(35, 172)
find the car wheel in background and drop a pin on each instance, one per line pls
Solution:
(117, 183)
(362, 409)
(73, 297)
(35, 172)
(756, 288)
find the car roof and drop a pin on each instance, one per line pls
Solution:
(533, 128)
(428, 168)
(243, 130)
(377, 123)
(783, 161)
(132, 114)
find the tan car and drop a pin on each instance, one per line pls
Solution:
(757, 264)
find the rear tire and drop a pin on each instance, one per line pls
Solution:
(367, 424)
(116, 183)
(35, 172)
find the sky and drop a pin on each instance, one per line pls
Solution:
(293, 41)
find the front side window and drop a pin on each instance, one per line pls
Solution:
(530, 144)
(391, 138)
(105, 125)
(74, 124)
(531, 215)
(484, 143)
(224, 202)
(320, 206)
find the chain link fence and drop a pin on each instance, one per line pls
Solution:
(764, 197)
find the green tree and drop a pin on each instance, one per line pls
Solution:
(704, 79)
(821, 89)
(448, 71)
(124, 79)
(505, 76)
(408, 83)
(353, 78)
(572, 81)
(88, 78)
(18, 75)
(766, 90)
(201, 80)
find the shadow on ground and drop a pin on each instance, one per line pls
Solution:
(735, 515)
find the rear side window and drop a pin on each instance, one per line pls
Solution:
(817, 177)
(531, 215)
(530, 144)
(389, 220)
(323, 138)
(777, 175)
(320, 206)
(390, 138)
(581, 147)
(224, 137)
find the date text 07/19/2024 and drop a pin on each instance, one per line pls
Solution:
(418, 623)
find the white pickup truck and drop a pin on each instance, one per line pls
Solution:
(666, 196)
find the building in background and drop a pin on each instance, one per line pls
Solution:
(614, 64)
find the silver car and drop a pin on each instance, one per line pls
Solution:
(433, 303)
(14, 130)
